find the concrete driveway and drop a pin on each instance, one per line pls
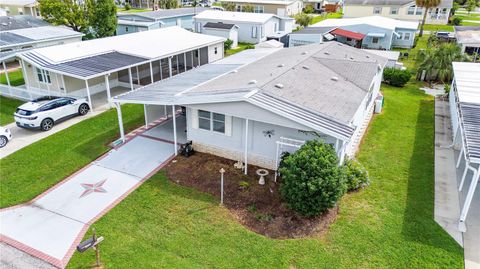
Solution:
(50, 226)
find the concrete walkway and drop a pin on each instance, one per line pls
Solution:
(448, 201)
(51, 226)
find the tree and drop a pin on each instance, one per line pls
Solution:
(228, 6)
(95, 18)
(167, 4)
(427, 5)
(312, 180)
(248, 8)
(303, 19)
(471, 5)
(437, 61)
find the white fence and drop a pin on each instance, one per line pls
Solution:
(20, 92)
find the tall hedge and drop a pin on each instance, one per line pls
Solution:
(396, 77)
(312, 180)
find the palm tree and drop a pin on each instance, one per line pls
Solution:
(303, 19)
(437, 61)
(427, 4)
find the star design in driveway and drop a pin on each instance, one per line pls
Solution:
(90, 188)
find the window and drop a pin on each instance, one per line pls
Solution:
(211, 121)
(254, 31)
(126, 28)
(406, 36)
(418, 11)
(393, 10)
(399, 35)
(37, 11)
(198, 29)
(20, 11)
(377, 10)
(411, 10)
(216, 50)
(239, 8)
(374, 40)
(349, 39)
(41, 77)
(258, 9)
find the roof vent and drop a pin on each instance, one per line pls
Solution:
(280, 65)
(351, 58)
(234, 71)
(334, 78)
(253, 81)
(367, 56)
(279, 85)
(305, 67)
(305, 52)
(326, 53)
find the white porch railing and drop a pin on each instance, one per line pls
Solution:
(21, 92)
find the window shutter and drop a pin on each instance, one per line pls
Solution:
(228, 125)
(194, 119)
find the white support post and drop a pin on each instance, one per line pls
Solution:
(107, 85)
(120, 121)
(6, 73)
(467, 167)
(63, 84)
(165, 111)
(198, 57)
(130, 78)
(246, 146)
(174, 131)
(151, 73)
(460, 156)
(178, 64)
(146, 115)
(45, 80)
(468, 200)
(89, 96)
(170, 67)
(25, 74)
(185, 61)
(337, 142)
(277, 155)
(191, 54)
(161, 70)
(138, 76)
(342, 152)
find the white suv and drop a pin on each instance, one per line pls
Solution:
(5, 136)
(44, 112)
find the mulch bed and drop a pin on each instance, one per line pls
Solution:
(257, 207)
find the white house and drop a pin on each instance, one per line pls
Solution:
(468, 37)
(277, 7)
(98, 68)
(465, 117)
(226, 30)
(252, 27)
(397, 9)
(20, 7)
(256, 104)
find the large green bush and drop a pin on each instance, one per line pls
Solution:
(396, 77)
(312, 181)
(355, 174)
(228, 44)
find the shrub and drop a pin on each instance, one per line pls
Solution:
(128, 6)
(355, 174)
(303, 19)
(309, 9)
(312, 181)
(456, 21)
(396, 77)
(249, 46)
(228, 44)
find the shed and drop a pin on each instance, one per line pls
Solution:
(226, 30)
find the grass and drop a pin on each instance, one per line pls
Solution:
(133, 10)
(388, 225)
(7, 108)
(16, 78)
(436, 28)
(241, 47)
(35, 168)
(319, 18)
(421, 43)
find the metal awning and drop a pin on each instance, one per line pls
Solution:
(470, 122)
(376, 34)
(348, 34)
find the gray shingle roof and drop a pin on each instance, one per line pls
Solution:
(20, 22)
(219, 25)
(314, 30)
(443, 3)
(7, 38)
(167, 13)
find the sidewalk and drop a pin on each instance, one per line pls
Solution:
(50, 226)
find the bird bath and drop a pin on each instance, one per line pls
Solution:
(262, 173)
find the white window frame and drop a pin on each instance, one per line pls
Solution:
(40, 77)
(394, 10)
(400, 35)
(254, 31)
(406, 36)
(227, 122)
(20, 10)
(411, 10)
(375, 38)
(418, 11)
(377, 10)
(259, 9)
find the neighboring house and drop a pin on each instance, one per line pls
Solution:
(20, 22)
(278, 7)
(96, 67)
(397, 9)
(468, 37)
(20, 7)
(373, 32)
(254, 105)
(144, 21)
(226, 30)
(391, 55)
(252, 27)
(310, 35)
(24, 39)
(465, 118)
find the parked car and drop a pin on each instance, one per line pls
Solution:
(445, 36)
(44, 112)
(5, 136)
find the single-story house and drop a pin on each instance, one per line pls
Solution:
(226, 30)
(21, 7)
(98, 68)
(270, 44)
(373, 32)
(144, 21)
(397, 9)
(256, 104)
(252, 27)
(310, 35)
(468, 37)
(20, 22)
(465, 118)
(278, 7)
(25, 36)
(391, 55)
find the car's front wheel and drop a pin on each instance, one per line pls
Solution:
(46, 124)
(83, 109)
(3, 141)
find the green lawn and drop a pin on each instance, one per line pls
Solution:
(421, 43)
(241, 47)
(35, 168)
(16, 78)
(7, 108)
(319, 18)
(388, 225)
(436, 28)
(133, 10)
